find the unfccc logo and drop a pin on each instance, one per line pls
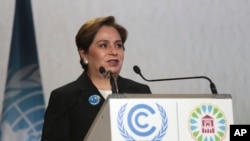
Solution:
(138, 124)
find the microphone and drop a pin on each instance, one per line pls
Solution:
(112, 83)
(102, 71)
(212, 85)
(111, 78)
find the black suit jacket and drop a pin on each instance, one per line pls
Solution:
(69, 114)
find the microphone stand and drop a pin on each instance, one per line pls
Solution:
(212, 85)
(111, 78)
(113, 84)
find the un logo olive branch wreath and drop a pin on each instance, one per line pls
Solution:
(128, 137)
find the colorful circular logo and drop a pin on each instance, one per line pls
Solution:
(207, 123)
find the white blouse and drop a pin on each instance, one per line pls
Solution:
(105, 93)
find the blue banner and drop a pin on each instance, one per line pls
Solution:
(23, 104)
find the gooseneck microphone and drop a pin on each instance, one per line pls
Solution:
(111, 78)
(103, 72)
(113, 84)
(212, 85)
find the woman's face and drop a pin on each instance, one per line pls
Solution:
(106, 50)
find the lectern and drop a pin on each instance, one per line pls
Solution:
(163, 117)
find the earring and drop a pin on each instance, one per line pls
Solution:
(86, 62)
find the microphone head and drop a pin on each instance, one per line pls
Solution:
(137, 69)
(102, 70)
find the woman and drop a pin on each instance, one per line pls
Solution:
(73, 107)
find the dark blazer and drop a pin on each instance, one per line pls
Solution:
(69, 114)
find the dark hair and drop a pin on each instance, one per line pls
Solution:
(87, 33)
